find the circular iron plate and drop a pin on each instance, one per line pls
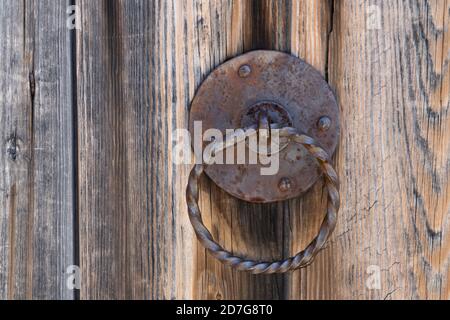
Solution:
(229, 93)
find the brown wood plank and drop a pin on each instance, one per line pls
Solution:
(310, 30)
(393, 88)
(255, 231)
(36, 160)
(135, 237)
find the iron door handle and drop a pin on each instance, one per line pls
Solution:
(301, 259)
(265, 90)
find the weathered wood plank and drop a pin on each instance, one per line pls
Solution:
(256, 231)
(132, 92)
(36, 160)
(392, 80)
(310, 29)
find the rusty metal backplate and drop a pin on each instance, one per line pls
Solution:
(294, 94)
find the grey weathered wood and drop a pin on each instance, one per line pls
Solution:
(36, 156)
(131, 230)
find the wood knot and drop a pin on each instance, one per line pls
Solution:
(13, 148)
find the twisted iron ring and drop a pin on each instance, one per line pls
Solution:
(301, 259)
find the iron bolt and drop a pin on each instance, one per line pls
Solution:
(285, 184)
(324, 123)
(244, 71)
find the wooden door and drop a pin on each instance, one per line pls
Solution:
(91, 92)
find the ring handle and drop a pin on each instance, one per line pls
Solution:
(301, 259)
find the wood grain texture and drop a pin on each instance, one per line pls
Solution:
(393, 87)
(36, 158)
(310, 31)
(251, 230)
(133, 91)
(111, 194)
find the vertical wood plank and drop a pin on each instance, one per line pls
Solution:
(311, 24)
(36, 158)
(392, 80)
(53, 150)
(15, 184)
(134, 85)
(310, 29)
(252, 230)
(108, 228)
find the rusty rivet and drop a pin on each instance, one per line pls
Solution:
(324, 124)
(285, 184)
(244, 71)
